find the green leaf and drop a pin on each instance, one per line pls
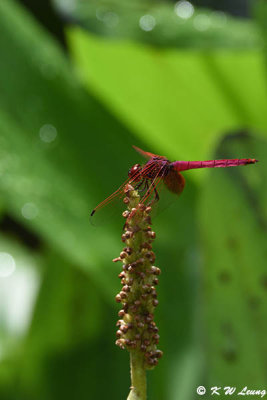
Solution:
(182, 102)
(260, 13)
(162, 24)
(67, 314)
(59, 181)
(20, 272)
(19, 285)
(233, 222)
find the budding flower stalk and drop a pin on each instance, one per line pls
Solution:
(137, 331)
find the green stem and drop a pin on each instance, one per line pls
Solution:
(138, 377)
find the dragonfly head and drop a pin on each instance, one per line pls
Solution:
(134, 172)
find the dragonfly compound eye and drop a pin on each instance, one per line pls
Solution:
(134, 172)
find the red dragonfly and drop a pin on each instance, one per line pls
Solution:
(158, 169)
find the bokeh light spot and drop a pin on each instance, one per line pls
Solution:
(67, 5)
(147, 22)
(220, 18)
(7, 265)
(111, 19)
(202, 22)
(29, 211)
(48, 133)
(184, 9)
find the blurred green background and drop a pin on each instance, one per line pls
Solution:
(80, 82)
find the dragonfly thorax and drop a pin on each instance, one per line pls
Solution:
(156, 167)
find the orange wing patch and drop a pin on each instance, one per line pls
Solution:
(175, 182)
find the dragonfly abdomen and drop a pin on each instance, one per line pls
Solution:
(185, 165)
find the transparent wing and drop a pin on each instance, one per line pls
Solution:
(149, 190)
(147, 154)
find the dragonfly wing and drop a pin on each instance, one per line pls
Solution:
(146, 154)
(106, 211)
(100, 212)
(175, 182)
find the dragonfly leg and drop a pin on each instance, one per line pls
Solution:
(156, 195)
(144, 189)
(139, 186)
